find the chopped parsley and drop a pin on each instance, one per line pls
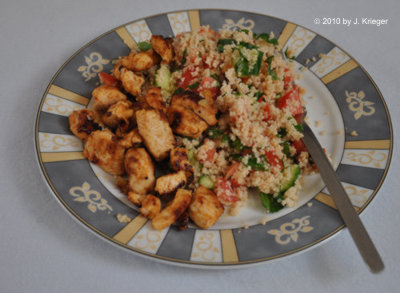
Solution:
(299, 127)
(221, 44)
(216, 78)
(144, 46)
(287, 54)
(194, 85)
(266, 38)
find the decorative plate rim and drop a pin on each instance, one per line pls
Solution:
(191, 263)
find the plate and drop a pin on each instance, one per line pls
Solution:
(346, 110)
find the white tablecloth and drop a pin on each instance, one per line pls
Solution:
(43, 249)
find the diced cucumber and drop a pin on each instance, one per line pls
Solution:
(294, 171)
(206, 181)
(163, 78)
(270, 203)
(192, 157)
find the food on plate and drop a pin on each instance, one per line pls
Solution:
(220, 111)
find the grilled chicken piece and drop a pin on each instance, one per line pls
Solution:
(163, 47)
(103, 149)
(140, 61)
(168, 184)
(184, 122)
(136, 198)
(205, 208)
(194, 102)
(155, 99)
(151, 206)
(179, 160)
(131, 139)
(140, 169)
(117, 70)
(173, 210)
(105, 95)
(183, 221)
(132, 82)
(119, 115)
(83, 122)
(156, 133)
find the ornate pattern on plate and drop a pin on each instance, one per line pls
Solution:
(179, 22)
(92, 197)
(298, 41)
(242, 23)
(290, 231)
(94, 64)
(358, 105)
(59, 106)
(206, 246)
(139, 31)
(366, 158)
(148, 239)
(329, 62)
(50, 142)
(358, 195)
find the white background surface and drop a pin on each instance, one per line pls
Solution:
(42, 249)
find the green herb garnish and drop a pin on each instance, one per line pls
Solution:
(179, 91)
(299, 127)
(253, 163)
(270, 202)
(194, 85)
(216, 78)
(225, 138)
(183, 62)
(214, 132)
(266, 38)
(221, 43)
(144, 46)
(287, 54)
(281, 132)
(286, 149)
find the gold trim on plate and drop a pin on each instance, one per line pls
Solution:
(368, 144)
(194, 18)
(61, 156)
(68, 95)
(340, 71)
(229, 251)
(126, 37)
(130, 230)
(286, 33)
(327, 200)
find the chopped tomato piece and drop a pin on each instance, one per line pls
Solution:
(225, 191)
(187, 78)
(245, 79)
(107, 79)
(267, 112)
(299, 146)
(210, 154)
(273, 159)
(208, 87)
(291, 101)
(231, 170)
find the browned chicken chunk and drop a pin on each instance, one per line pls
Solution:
(132, 82)
(151, 206)
(136, 198)
(179, 160)
(184, 122)
(169, 183)
(140, 61)
(173, 210)
(163, 47)
(140, 169)
(105, 95)
(155, 100)
(205, 208)
(194, 102)
(103, 149)
(156, 133)
(119, 115)
(131, 139)
(83, 122)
